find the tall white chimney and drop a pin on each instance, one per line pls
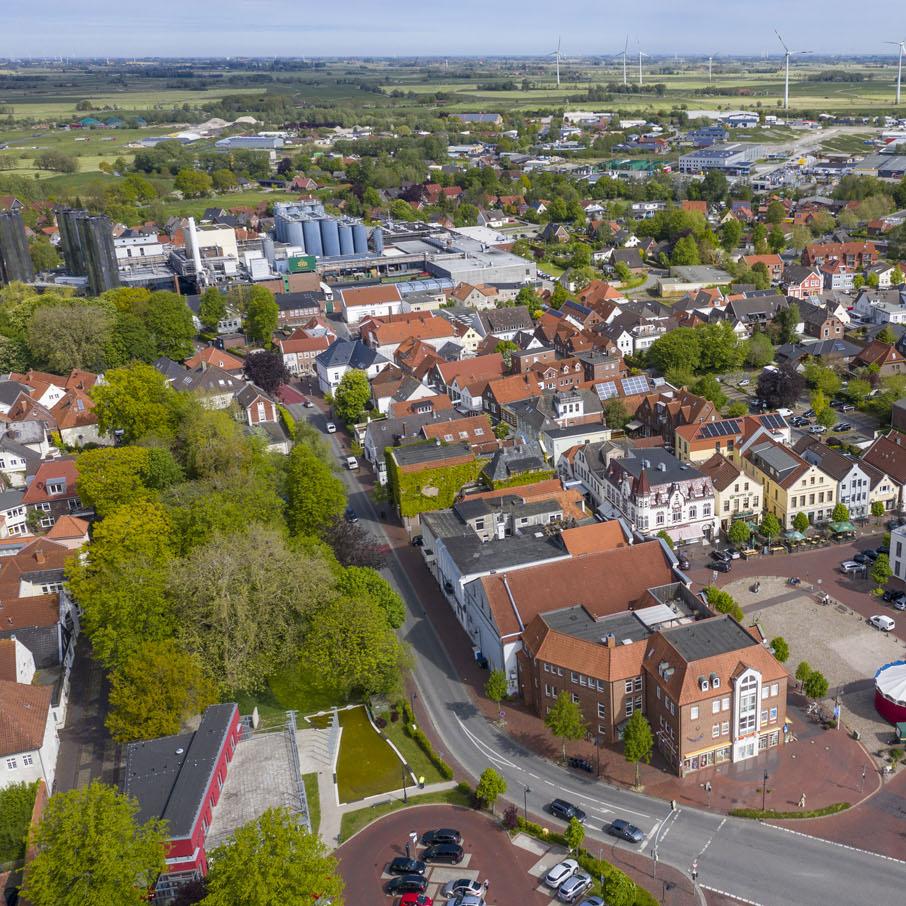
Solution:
(196, 254)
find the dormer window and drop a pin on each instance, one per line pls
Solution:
(56, 487)
(715, 681)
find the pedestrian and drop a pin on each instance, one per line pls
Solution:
(802, 801)
(486, 885)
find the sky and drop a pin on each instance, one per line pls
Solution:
(428, 27)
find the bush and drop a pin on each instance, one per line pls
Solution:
(380, 722)
(289, 423)
(510, 817)
(422, 741)
(394, 716)
(757, 813)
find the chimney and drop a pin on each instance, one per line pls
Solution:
(611, 640)
(39, 556)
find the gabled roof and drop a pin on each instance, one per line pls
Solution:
(370, 295)
(209, 380)
(24, 709)
(63, 468)
(211, 355)
(888, 453)
(470, 370)
(351, 354)
(720, 470)
(503, 320)
(831, 462)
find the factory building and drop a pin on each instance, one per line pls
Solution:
(15, 260)
(735, 159)
(306, 226)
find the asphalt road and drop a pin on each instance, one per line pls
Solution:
(748, 860)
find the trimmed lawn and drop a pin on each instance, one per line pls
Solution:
(298, 688)
(352, 822)
(314, 800)
(412, 752)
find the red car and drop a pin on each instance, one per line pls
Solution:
(416, 899)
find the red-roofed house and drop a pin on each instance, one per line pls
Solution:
(53, 491)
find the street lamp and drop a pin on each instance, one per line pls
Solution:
(764, 788)
(525, 791)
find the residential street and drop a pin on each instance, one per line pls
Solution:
(732, 853)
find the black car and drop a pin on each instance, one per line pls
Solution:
(442, 835)
(682, 562)
(834, 442)
(418, 541)
(403, 865)
(721, 566)
(625, 831)
(450, 853)
(872, 554)
(560, 808)
(883, 549)
(721, 556)
(351, 515)
(843, 426)
(407, 884)
(862, 558)
(889, 595)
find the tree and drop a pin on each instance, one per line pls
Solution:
(620, 889)
(112, 476)
(213, 443)
(616, 416)
(353, 545)
(821, 378)
(714, 187)
(679, 348)
(877, 508)
(212, 309)
(70, 334)
(780, 649)
(638, 742)
(245, 599)
(314, 495)
(886, 335)
(91, 851)
(193, 183)
(558, 296)
(154, 690)
(709, 387)
(506, 348)
(803, 671)
(490, 786)
(44, 257)
(358, 582)
(787, 320)
(496, 687)
(800, 522)
(897, 278)
(770, 526)
(776, 212)
(776, 240)
(780, 386)
(665, 537)
(121, 582)
(564, 720)
(224, 179)
(815, 686)
(723, 602)
(857, 390)
(266, 369)
(351, 396)
(739, 533)
(273, 861)
(840, 513)
(730, 234)
(881, 571)
(170, 324)
(574, 834)
(826, 417)
(759, 350)
(760, 239)
(262, 314)
(57, 161)
(17, 802)
(737, 409)
(685, 252)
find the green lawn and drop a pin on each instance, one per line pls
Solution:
(352, 822)
(298, 688)
(366, 765)
(314, 800)
(412, 752)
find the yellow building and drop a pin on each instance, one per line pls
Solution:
(736, 495)
(789, 484)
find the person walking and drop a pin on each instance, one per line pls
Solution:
(802, 801)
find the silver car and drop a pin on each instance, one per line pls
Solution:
(573, 887)
(466, 900)
(560, 872)
(462, 887)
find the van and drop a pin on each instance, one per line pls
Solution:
(786, 413)
(351, 462)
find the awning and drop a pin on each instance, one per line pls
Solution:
(838, 528)
(793, 535)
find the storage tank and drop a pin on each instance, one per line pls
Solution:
(312, 235)
(377, 240)
(330, 238)
(359, 239)
(346, 244)
(267, 246)
(295, 234)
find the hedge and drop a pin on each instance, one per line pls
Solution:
(289, 423)
(597, 868)
(771, 814)
(422, 741)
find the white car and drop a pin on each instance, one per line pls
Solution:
(463, 887)
(560, 872)
(882, 622)
(744, 383)
(331, 428)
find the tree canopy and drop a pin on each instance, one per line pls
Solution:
(564, 720)
(136, 400)
(351, 396)
(314, 495)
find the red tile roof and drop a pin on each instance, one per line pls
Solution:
(24, 709)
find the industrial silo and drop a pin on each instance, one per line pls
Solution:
(295, 234)
(267, 246)
(359, 239)
(346, 244)
(312, 237)
(377, 240)
(330, 238)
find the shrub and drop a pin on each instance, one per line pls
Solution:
(394, 716)
(510, 817)
(757, 813)
(422, 741)
(380, 722)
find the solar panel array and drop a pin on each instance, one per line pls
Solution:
(720, 429)
(773, 421)
(633, 385)
(606, 391)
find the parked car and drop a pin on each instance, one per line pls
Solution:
(843, 426)
(871, 553)
(817, 429)
(407, 884)
(418, 541)
(451, 853)
(331, 428)
(809, 413)
(721, 566)
(899, 602)
(564, 810)
(416, 899)
(352, 463)
(309, 404)
(734, 554)
(560, 872)
(834, 442)
(721, 556)
(467, 900)
(862, 557)
(573, 888)
(625, 831)
(836, 404)
(683, 562)
(850, 566)
(442, 835)
(592, 901)
(462, 887)
(847, 407)
(351, 515)
(882, 622)
(403, 865)
(890, 595)
(883, 549)
(744, 382)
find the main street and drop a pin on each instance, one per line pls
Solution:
(748, 860)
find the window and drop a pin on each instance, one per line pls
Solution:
(575, 698)
(659, 519)
(775, 689)
(629, 685)
(51, 588)
(56, 487)
(574, 677)
(725, 703)
(629, 707)
(764, 716)
(11, 764)
(715, 681)
(715, 706)
(27, 760)
(638, 704)
(715, 731)
(547, 668)
(748, 707)
(693, 512)
(706, 509)
(582, 680)
(549, 691)
(765, 691)
(724, 728)
(47, 522)
(600, 685)
(602, 713)
(693, 712)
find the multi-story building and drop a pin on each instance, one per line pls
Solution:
(699, 441)
(736, 496)
(888, 456)
(853, 480)
(898, 552)
(790, 485)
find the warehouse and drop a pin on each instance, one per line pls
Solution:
(732, 159)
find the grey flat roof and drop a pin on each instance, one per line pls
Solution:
(578, 623)
(414, 454)
(674, 469)
(707, 638)
(471, 555)
(445, 524)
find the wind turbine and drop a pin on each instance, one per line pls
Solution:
(787, 53)
(902, 46)
(640, 65)
(624, 53)
(710, 60)
(556, 54)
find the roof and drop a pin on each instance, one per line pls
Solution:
(68, 527)
(370, 295)
(831, 462)
(597, 536)
(472, 555)
(720, 470)
(8, 660)
(781, 463)
(428, 327)
(473, 429)
(351, 354)
(419, 454)
(502, 320)
(33, 612)
(650, 462)
(211, 355)
(24, 709)
(296, 344)
(604, 582)
(171, 776)
(888, 453)
(469, 370)
(55, 469)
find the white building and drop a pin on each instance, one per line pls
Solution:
(898, 552)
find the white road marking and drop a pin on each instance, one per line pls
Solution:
(719, 826)
(855, 849)
(485, 749)
(651, 833)
(731, 896)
